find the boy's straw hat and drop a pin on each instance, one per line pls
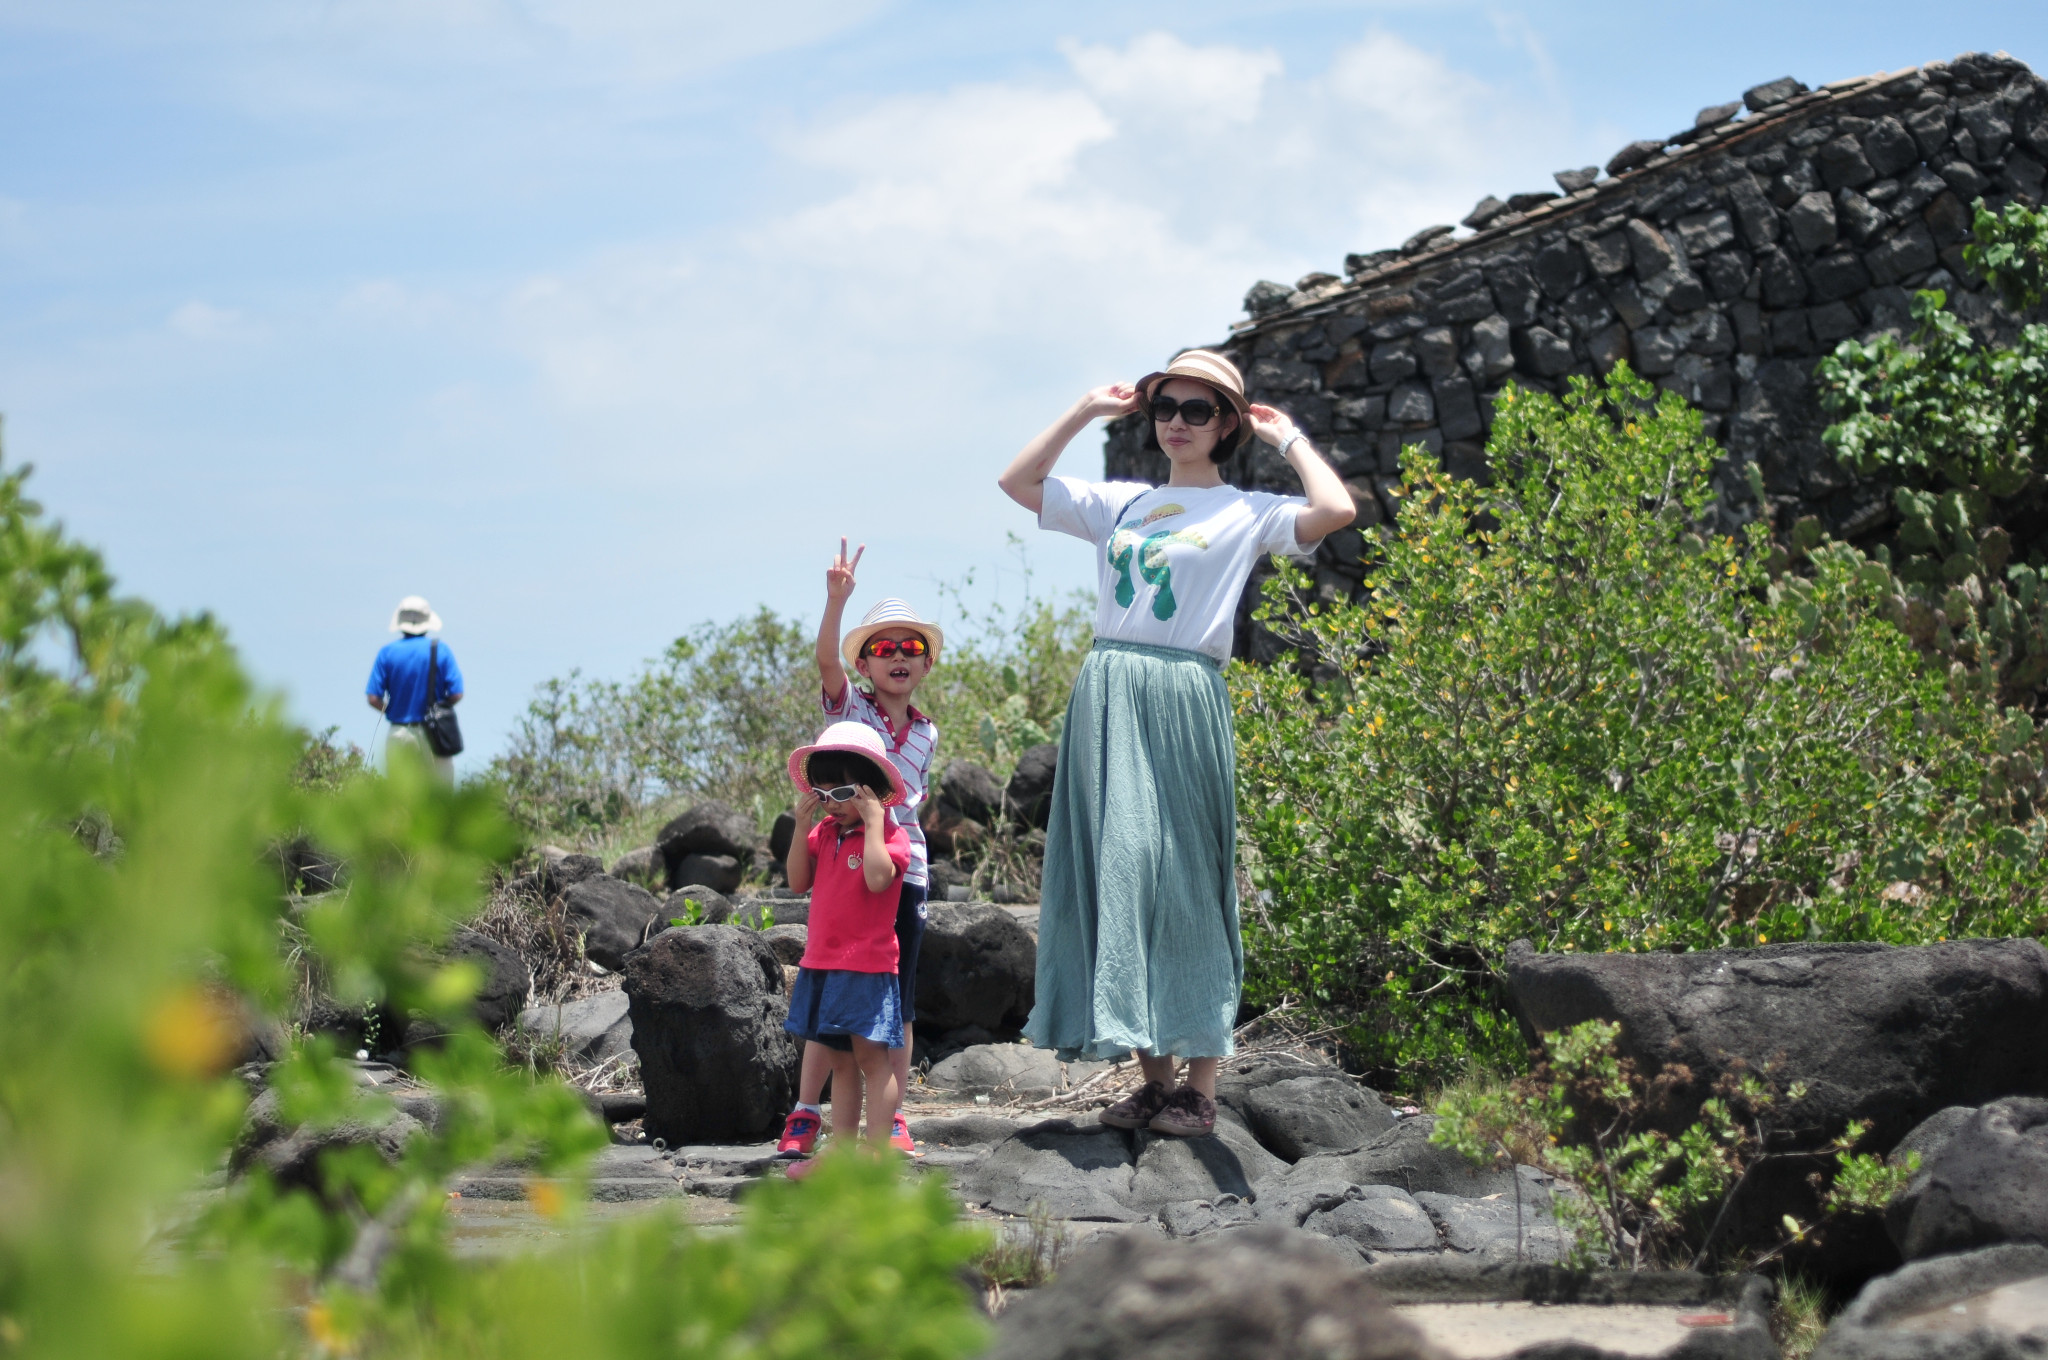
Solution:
(891, 613)
(415, 616)
(1204, 366)
(853, 738)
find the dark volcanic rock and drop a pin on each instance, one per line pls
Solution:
(1887, 1320)
(506, 978)
(1884, 1034)
(971, 791)
(1404, 1156)
(1086, 1170)
(788, 943)
(1030, 786)
(723, 873)
(707, 828)
(1376, 1218)
(293, 1155)
(978, 966)
(593, 1028)
(714, 908)
(1304, 1116)
(643, 866)
(307, 868)
(1986, 1183)
(707, 1005)
(612, 917)
(1255, 1293)
(559, 873)
(1080, 1171)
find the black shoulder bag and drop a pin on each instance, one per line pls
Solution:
(444, 734)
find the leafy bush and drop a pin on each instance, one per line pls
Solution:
(141, 778)
(1958, 428)
(716, 714)
(1648, 1198)
(1008, 671)
(1567, 714)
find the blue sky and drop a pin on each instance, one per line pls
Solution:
(593, 319)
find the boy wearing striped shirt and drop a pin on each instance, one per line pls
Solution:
(893, 650)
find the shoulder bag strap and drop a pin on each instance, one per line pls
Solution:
(433, 668)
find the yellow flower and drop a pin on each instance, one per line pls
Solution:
(545, 1197)
(194, 1034)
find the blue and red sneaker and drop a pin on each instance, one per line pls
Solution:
(899, 1136)
(799, 1134)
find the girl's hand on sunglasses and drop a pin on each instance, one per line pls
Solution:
(807, 805)
(869, 806)
(839, 576)
(1116, 399)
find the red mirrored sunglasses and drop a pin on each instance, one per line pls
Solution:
(884, 648)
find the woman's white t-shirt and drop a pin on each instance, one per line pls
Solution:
(1174, 558)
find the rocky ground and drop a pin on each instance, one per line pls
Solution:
(1255, 1241)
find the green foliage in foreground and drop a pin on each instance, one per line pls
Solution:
(1567, 715)
(141, 781)
(1648, 1198)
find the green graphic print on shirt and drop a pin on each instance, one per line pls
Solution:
(1148, 552)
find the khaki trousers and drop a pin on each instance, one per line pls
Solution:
(410, 743)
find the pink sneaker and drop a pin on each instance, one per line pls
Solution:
(899, 1136)
(799, 1134)
(798, 1170)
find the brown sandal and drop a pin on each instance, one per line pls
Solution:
(1136, 1111)
(1187, 1114)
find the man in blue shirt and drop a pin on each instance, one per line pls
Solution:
(398, 681)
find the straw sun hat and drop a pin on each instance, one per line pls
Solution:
(1206, 366)
(850, 738)
(891, 613)
(415, 616)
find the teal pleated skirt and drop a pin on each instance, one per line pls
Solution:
(1138, 943)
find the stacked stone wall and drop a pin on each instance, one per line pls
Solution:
(1722, 262)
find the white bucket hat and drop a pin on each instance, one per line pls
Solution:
(891, 613)
(852, 738)
(415, 616)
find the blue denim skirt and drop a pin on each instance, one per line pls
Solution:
(832, 1006)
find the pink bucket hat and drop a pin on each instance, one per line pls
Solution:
(854, 739)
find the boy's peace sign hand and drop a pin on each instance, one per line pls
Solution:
(839, 576)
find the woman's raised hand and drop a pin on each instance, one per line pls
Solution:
(1271, 424)
(839, 576)
(1116, 399)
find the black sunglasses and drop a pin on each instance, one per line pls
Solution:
(1194, 411)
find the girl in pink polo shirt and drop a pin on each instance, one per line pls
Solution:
(851, 854)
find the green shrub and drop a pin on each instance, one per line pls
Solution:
(1567, 714)
(714, 716)
(1957, 429)
(1645, 1197)
(141, 781)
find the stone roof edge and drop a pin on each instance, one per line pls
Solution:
(1548, 214)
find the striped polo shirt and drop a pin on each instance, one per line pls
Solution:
(910, 753)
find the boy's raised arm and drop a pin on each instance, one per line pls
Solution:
(838, 590)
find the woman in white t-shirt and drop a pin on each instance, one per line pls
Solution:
(1138, 946)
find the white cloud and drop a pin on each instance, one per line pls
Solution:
(980, 254)
(1167, 84)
